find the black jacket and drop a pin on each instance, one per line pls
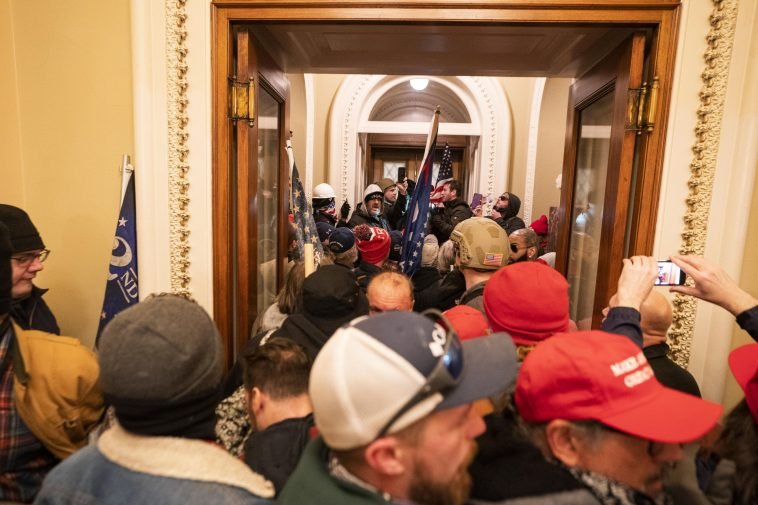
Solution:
(275, 451)
(444, 220)
(669, 373)
(32, 313)
(748, 321)
(443, 294)
(424, 282)
(360, 216)
(394, 212)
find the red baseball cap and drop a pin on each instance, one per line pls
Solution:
(744, 364)
(467, 322)
(593, 375)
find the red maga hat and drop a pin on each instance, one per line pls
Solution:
(744, 364)
(593, 375)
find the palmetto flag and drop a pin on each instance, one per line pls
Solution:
(303, 214)
(444, 175)
(122, 287)
(418, 209)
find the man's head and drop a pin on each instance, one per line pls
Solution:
(429, 251)
(524, 246)
(28, 249)
(451, 190)
(6, 278)
(481, 244)
(161, 367)
(342, 246)
(373, 243)
(324, 199)
(373, 198)
(276, 381)
(392, 396)
(389, 291)
(656, 316)
(507, 205)
(593, 403)
(528, 300)
(389, 188)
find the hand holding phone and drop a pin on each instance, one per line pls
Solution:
(476, 201)
(669, 274)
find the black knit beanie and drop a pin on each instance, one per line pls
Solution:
(6, 282)
(23, 234)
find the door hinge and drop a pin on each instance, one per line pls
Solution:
(242, 100)
(641, 107)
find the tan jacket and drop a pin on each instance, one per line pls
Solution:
(56, 389)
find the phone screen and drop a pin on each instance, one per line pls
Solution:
(400, 174)
(476, 201)
(669, 274)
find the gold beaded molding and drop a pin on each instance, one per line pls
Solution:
(703, 165)
(178, 152)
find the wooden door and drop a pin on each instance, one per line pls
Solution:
(599, 168)
(250, 187)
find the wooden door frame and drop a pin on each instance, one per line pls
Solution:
(662, 16)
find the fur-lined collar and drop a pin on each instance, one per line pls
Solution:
(180, 458)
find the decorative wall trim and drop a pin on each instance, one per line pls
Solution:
(531, 148)
(710, 113)
(178, 150)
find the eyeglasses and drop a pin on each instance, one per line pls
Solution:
(27, 258)
(445, 374)
(515, 247)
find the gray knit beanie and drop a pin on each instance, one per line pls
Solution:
(161, 364)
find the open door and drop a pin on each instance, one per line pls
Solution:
(599, 168)
(250, 189)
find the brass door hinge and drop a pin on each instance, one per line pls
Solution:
(242, 100)
(641, 107)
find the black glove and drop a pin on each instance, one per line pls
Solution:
(345, 209)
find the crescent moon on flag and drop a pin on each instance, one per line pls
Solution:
(124, 259)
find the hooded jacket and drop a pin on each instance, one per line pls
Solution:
(509, 220)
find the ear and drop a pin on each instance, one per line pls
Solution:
(257, 401)
(532, 252)
(562, 442)
(387, 456)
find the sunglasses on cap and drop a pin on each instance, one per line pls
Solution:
(445, 374)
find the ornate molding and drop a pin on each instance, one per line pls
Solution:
(710, 112)
(178, 150)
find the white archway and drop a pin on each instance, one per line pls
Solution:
(483, 98)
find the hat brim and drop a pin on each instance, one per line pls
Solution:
(669, 417)
(489, 369)
(743, 362)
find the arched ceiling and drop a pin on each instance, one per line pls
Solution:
(403, 103)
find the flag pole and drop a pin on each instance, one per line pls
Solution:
(126, 173)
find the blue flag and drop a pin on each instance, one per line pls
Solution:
(418, 209)
(122, 288)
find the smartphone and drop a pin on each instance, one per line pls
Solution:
(669, 274)
(476, 201)
(401, 174)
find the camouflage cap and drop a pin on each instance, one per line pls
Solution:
(482, 243)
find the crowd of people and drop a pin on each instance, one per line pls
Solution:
(465, 382)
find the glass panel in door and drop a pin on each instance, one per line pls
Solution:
(267, 197)
(587, 212)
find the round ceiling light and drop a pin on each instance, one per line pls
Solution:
(419, 84)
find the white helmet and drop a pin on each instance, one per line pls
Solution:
(323, 190)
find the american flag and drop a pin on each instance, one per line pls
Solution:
(301, 210)
(444, 175)
(418, 209)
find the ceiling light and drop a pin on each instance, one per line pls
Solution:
(419, 84)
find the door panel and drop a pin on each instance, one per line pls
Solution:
(250, 235)
(597, 179)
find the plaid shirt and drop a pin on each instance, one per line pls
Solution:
(24, 461)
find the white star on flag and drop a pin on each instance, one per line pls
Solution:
(122, 222)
